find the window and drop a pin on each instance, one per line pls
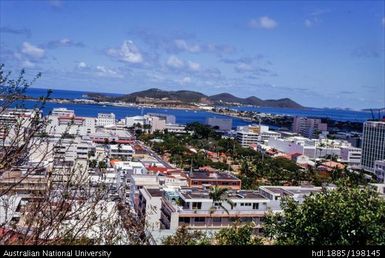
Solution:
(199, 219)
(217, 220)
(242, 204)
(184, 219)
(255, 206)
(246, 219)
(197, 205)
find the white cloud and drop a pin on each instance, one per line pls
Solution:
(32, 51)
(128, 52)
(64, 42)
(107, 72)
(264, 22)
(308, 23)
(184, 80)
(28, 64)
(55, 3)
(243, 67)
(183, 45)
(82, 65)
(175, 62)
(194, 66)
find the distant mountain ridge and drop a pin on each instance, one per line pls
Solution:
(186, 96)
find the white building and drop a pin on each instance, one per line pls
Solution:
(137, 182)
(351, 156)
(130, 168)
(308, 127)
(170, 119)
(63, 112)
(195, 209)
(60, 124)
(121, 151)
(175, 128)
(156, 123)
(312, 148)
(134, 120)
(373, 144)
(247, 135)
(294, 145)
(106, 119)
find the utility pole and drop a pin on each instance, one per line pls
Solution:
(191, 168)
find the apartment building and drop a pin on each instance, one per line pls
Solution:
(129, 168)
(156, 123)
(169, 119)
(373, 144)
(134, 120)
(120, 151)
(176, 128)
(26, 181)
(137, 182)
(247, 135)
(201, 179)
(308, 127)
(168, 209)
(65, 121)
(11, 117)
(195, 209)
(351, 156)
(112, 136)
(105, 119)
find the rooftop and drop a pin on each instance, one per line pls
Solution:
(291, 190)
(194, 193)
(212, 175)
(155, 192)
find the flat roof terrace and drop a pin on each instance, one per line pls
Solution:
(212, 175)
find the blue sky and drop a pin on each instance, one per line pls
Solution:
(319, 53)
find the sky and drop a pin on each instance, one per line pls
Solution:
(318, 53)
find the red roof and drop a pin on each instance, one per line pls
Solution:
(157, 169)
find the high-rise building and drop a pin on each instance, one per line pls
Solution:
(308, 127)
(251, 134)
(373, 144)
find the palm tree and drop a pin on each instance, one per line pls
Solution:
(218, 195)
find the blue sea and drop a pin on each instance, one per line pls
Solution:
(186, 116)
(182, 116)
(335, 114)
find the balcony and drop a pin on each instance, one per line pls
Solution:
(220, 213)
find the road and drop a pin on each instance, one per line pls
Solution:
(154, 154)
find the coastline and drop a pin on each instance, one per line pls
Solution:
(250, 116)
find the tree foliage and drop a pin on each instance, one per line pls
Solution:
(184, 236)
(237, 235)
(348, 215)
